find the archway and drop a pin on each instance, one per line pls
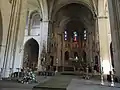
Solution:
(75, 29)
(1, 29)
(66, 55)
(75, 54)
(31, 52)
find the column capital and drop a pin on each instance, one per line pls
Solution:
(45, 21)
(102, 17)
(50, 21)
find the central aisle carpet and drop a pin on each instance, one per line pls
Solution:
(56, 83)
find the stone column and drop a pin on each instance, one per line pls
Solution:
(104, 29)
(89, 45)
(114, 11)
(63, 53)
(97, 44)
(9, 55)
(39, 64)
(58, 43)
(44, 38)
(91, 39)
(87, 49)
(18, 45)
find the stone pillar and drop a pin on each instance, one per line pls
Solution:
(44, 38)
(58, 36)
(59, 48)
(97, 44)
(45, 31)
(39, 64)
(10, 50)
(103, 26)
(89, 45)
(63, 53)
(91, 39)
(114, 11)
(18, 54)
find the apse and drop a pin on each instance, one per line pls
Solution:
(72, 22)
(72, 12)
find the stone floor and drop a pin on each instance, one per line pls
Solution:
(75, 84)
(8, 85)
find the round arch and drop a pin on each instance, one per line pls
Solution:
(1, 30)
(64, 20)
(31, 53)
(33, 13)
(74, 2)
(67, 20)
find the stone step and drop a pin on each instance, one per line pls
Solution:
(46, 73)
(70, 73)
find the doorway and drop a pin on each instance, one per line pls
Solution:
(66, 55)
(31, 52)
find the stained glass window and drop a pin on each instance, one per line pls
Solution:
(75, 36)
(85, 35)
(65, 35)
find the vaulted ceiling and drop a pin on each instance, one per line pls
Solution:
(72, 14)
(55, 5)
(33, 2)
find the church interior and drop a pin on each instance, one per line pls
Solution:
(62, 35)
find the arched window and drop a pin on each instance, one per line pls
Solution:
(85, 35)
(75, 36)
(31, 53)
(34, 23)
(65, 35)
